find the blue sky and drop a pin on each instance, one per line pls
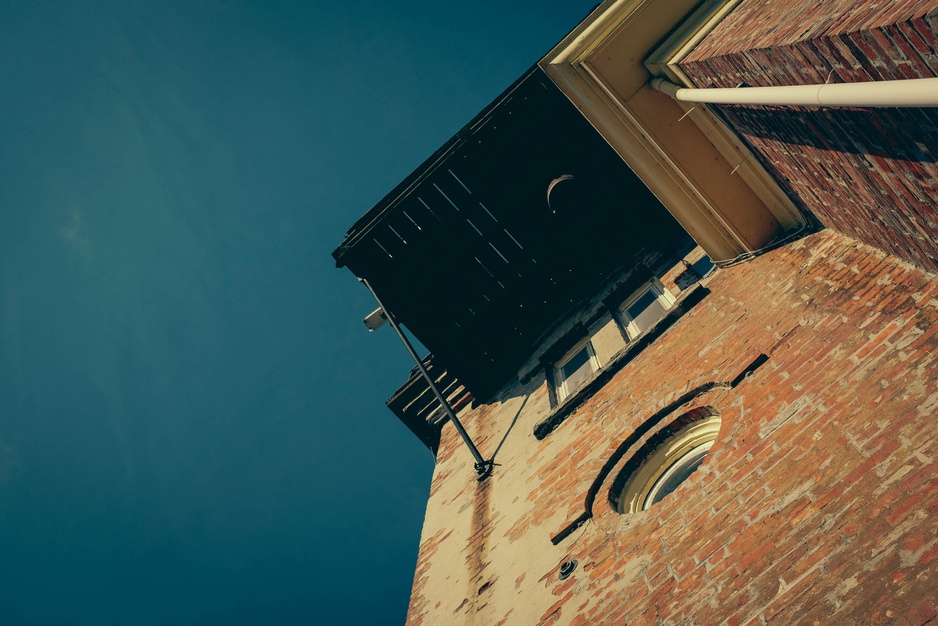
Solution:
(192, 420)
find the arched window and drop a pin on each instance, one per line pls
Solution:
(666, 461)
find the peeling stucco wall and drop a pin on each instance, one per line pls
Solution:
(816, 504)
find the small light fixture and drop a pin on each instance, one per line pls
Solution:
(375, 320)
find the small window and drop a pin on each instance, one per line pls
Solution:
(666, 461)
(574, 369)
(646, 306)
(703, 265)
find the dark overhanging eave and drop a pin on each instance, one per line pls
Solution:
(467, 254)
(365, 223)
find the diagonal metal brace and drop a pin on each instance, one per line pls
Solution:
(483, 468)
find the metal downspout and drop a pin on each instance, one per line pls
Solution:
(915, 92)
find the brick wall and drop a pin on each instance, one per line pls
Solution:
(817, 503)
(869, 173)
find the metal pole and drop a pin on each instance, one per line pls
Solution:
(483, 468)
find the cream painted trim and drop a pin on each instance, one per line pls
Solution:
(592, 32)
(662, 295)
(635, 493)
(748, 167)
(698, 173)
(702, 201)
(560, 381)
(665, 60)
(648, 161)
(685, 38)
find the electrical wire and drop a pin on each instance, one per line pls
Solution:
(748, 256)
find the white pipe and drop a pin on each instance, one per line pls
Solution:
(915, 92)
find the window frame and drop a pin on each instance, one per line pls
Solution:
(663, 296)
(560, 381)
(642, 484)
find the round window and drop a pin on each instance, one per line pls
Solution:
(666, 461)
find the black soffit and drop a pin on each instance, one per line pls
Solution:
(469, 255)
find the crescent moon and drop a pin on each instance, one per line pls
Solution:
(553, 184)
